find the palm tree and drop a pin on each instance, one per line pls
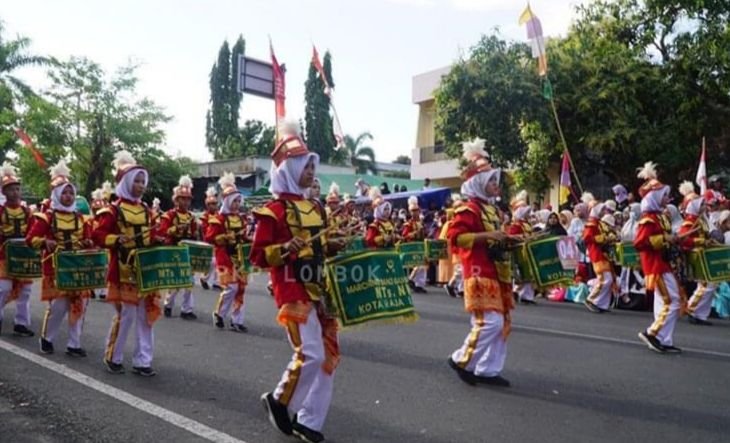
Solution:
(13, 57)
(359, 156)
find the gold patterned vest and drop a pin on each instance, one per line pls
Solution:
(234, 223)
(134, 222)
(502, 258)
(68, 229)
(306, 219)
(14, 222)
(183, 218)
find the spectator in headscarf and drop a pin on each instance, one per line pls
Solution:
(553, 225)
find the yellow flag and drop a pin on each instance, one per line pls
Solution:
(526, 15)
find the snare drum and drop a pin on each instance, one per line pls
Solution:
(412, 254)
(81, 270)
(164, 267)
(242, 252)
(21, 260)
(539, 262)
(201, 254)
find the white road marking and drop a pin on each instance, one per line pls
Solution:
(611, 339)
(166, 415)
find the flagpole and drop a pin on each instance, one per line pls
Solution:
(565, 144)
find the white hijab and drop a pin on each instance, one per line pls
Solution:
(56, 199)
(476, 186)
(285, 177)
(652, 201)
(124, 187)
(379, 212)
(228, 200)
(694, 206)
(628, 232)
(597, 210)
(675, 218)
(522, 212)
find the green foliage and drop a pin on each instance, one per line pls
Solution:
(402, 160)
(318, 121)
(255, 138)
(533, 176)
(354, 153)
(221, 120)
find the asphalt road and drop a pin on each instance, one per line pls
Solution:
(576, 377)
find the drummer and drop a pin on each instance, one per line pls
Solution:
(598, 236)
(282, 243)
(99, 200)
(61, 228)
(14, 220)
(696, 234)
(176, 225)
(211, 211)
(520, 226)
(123, 227)
(226, 232)
(380, 233)
(413, 232)
(476, 232)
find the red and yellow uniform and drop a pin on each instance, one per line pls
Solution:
(176, 225)
(413, 231)
(651, 241)
(14, 222)
(598, 236)
(380, 234)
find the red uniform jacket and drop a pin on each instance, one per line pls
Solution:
(519, 227)
(170, 220)
(596, 236)
(374, 236)
(42, 229)
(413, 231)
(697, 238)
(650, 241)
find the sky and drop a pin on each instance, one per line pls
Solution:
(377, 47)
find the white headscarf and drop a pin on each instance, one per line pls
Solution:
(628, 232)
(285, 177)
(476, 186)
(620, 192)
(228, 200)
(56, 199)
(652, 201)
(597, 209)
(675, 217)
(124, 187)
(694, 206)
(522, 212)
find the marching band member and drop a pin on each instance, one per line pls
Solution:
(696, 234)
(413, 231)
(598, 236)
(60, 228)
(175, 225)
(520, 226)
(290, 241)
(226, 231)
(334, 211)
(381, 232)
(211, 211)
(14, 220)
(475, 230)
(652, 238)
(123, 227)
(628, 234)
(99, 200)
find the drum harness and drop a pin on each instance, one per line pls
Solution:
(313, 265)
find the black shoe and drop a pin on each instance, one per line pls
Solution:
(270, 288)
(218, 321)
(238, 328)
(46, 346)
(188, 316)
(460, 294)
(217, 287)
(528, 302)
(652, 342)
(144, 372)
(420, 290)
(102, 296)
(672, 350)
(22, 331)
(697, 321)
(306, 434)
(493, 381)
(412, 285)
(76, 352)
(168, 312)
(591, 307)
(114, 368)
(465, 376)
(204, 284)
(450, 290)
(93, 295)
(277, 412)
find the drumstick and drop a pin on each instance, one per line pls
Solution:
(310, 239)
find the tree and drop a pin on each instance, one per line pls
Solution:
(362, 158)
(402, 160)
(255, 138)
(318, 121)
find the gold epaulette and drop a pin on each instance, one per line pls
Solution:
(41, 216)
(213, 220)
(464, 208)
(105, 210)
(264, 212)
(645, 220)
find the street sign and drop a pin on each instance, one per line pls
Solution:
(255, 77)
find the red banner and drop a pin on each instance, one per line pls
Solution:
(279, 88)
(33, 150)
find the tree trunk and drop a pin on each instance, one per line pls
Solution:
(96, 166)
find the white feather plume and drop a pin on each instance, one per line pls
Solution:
(106, 187)
(211, 192)
(587, 198)
(374, 193)
(412, 200)
(97, 194)
(122, 159)
(156, 202)
(60, 169)
(227, 180)
(334, 188)
(647, 172)
(186, 182)
(521, 196)
(686, 188)
(473, 149)
(7, 169)
(289, 128)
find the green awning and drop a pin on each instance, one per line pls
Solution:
(346, 182)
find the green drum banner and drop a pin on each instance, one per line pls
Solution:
(201, 254)
(627, 255)
(22, 261)
(244, 262)
(539, 263)
(711, 264)
(355, 244)
(164, 267)
(81, 270)
(369, 286)
(436, 249)
(412, 254)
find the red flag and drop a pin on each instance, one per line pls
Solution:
(318, 66)
(33, 150)
(279, 87)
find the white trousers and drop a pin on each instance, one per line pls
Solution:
(55, 313)
(418, 275)
(666, 309)
(212, 276)
(458, 279)
(22, 303)
(525, 291)
(484, 350)
(131, 315)
(225, 301)
(700, 304)
(187, 299)
(601, 293)
(305, 388)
